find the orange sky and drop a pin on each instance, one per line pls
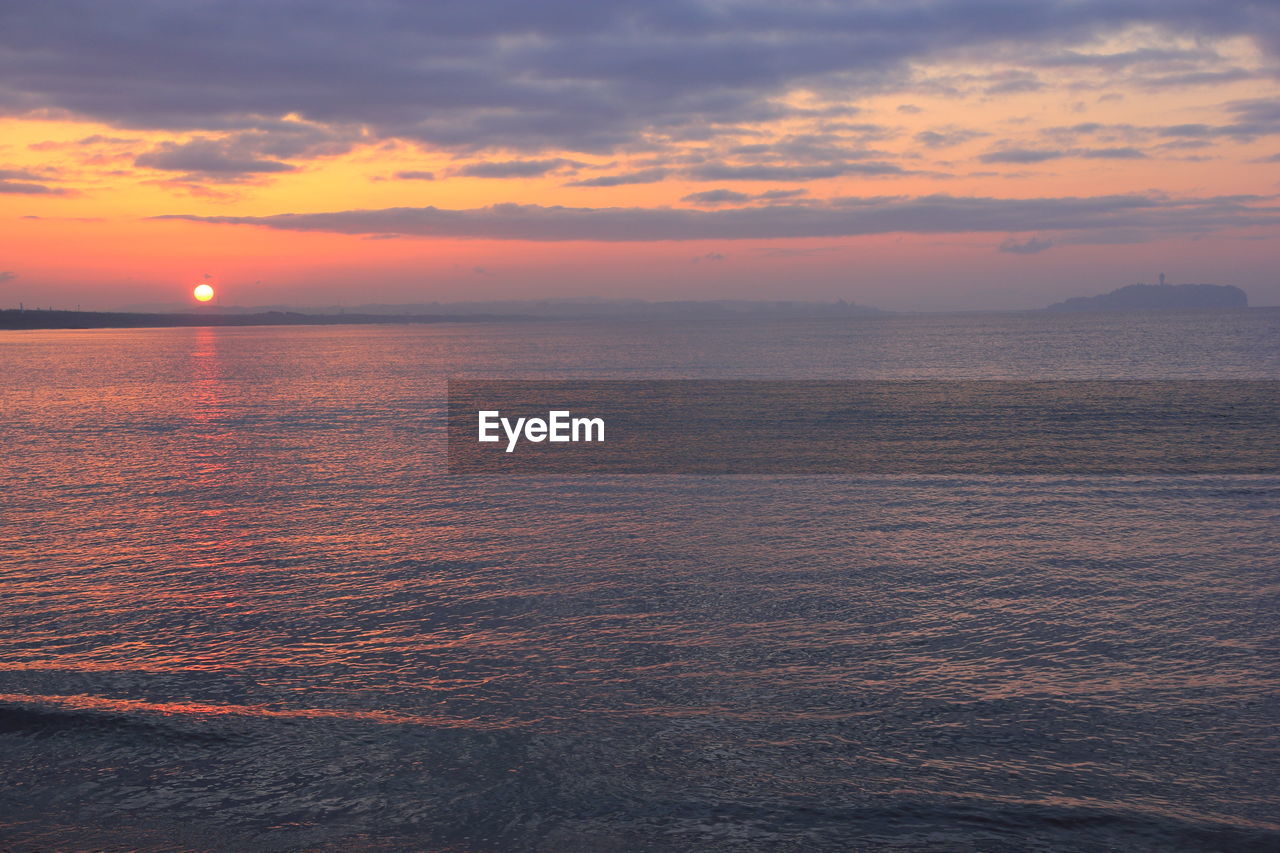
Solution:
(954, 126)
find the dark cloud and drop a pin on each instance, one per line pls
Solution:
(1125, 153)
(809, 148)
(1032, 246)
(1125, 59)
(99, 139)
(1097, 131)
(1021, 155)
(88, 142)
(1188, 130)
(1038, 155)
(841, 217)
(774, 195)
(248, 152)
(28, 188)
(641, 176)
(7, 275)
(1014, 82)
(1084, 127)
(717, 197)
(558, 74)
(1196, 78)
(27, 182)
(415, 176)
(513, 168)
(206, 157)
(1254, 118)
(19, 175)
(947, 138)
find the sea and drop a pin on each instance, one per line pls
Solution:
(244, 607)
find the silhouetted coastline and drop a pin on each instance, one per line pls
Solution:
(55, 319)
(1159, 297)
(437, 313)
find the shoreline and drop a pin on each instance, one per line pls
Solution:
(12, 319)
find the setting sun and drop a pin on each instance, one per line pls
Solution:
(202, 293)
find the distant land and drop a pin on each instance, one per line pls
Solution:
(429, 313)
(1159, 297)
(54, 319)
(557, 308)
(1135, 297)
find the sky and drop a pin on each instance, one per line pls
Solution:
(937, 155)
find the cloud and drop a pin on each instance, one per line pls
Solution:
(1032, 246)
(209, 157)
(27, 188)
(1254, 118)
(1188, 130)
(1021, 155)
(1185, 144)
(513, 168)
(641, 176)
(773, 195)
(1125, 153)
(718, 197)
(100, 139)
(1040, 155)
(7, 275)
(95, 140)
(1125, 59)
(26, 182)
(555, 75)
(415, 176)
(946, 139)
(1014, 83)
(248, 153)
(809, 148)
(936, 214)
(1196, 78)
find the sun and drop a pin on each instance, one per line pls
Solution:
(202, 293)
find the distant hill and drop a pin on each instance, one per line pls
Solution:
(1158, 297)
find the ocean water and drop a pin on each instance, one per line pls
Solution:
(243, 608)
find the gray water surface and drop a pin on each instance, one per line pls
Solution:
(243, 608)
